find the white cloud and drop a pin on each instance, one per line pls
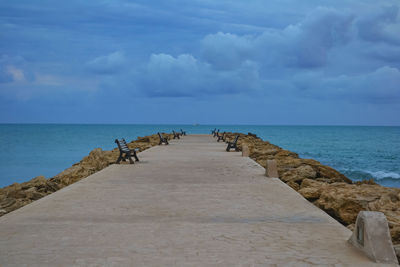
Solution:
(16, 73)
(108, 64)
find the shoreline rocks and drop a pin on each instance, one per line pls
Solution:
(325, 187)
(17, 195)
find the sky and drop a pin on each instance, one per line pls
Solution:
(264, 62)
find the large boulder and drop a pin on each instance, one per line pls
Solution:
(299, 173)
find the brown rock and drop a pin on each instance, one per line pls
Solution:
(285, 153)
(293, 185)
(306, 171)
(299, 173)
(7, 203)
(289, 163)
(332, 174)
(397, 251)
(35, 182)
(311, 189)
(310, 193)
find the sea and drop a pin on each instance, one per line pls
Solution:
(359, 152)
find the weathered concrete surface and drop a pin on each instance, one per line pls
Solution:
(186, 204)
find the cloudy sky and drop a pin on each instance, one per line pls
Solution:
(331, 62)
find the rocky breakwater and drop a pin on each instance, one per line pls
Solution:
(327, 188)
(20, 194)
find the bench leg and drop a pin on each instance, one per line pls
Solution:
(129, 156)
(134, 154)
(119, 158)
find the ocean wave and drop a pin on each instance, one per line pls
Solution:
(391, 179)
(379, 175)
(391, 182)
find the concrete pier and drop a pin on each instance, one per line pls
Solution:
(186, 204)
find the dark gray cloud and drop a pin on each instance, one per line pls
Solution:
(381, 26)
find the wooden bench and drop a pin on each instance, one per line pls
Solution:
(233, 144)
(216, 133)
(125, 152)
(163, 140)
(176, 135)
(183, 132)
(221, 137)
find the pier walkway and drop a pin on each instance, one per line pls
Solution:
(186, 204)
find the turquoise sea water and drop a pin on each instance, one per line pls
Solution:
(29, 150)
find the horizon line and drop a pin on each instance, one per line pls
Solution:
(196, 124)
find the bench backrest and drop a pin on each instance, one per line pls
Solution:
(161, 137)
(236, 139)
(122, 145)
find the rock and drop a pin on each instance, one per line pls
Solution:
(310, 193)
(253, 135)
(311, 189)
(143, 139)
(7, 203)
(12, 188)
(332, 174)
(289, 163)
(306, 171)
(324, 180)
(370, 181)
(351, 226)
(293, 185)
(299, 173)
(397, 251)
(51, 186)
(17, 195)
(35, 182)
(285, 153)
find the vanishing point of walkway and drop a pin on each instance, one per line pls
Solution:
(186, 204)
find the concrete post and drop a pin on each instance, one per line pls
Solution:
(245, 151)
(271, 170)
(371, 235)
